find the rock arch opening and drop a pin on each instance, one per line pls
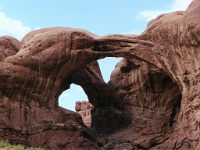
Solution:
(107, 65)
(135, 87)
(69, 97)
(75, 99)
(142, 90)
(149, 96)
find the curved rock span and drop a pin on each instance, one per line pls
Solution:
(152, 100)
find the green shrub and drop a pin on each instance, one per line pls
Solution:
(7, 146)
(4, 144)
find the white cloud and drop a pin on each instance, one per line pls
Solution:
(177, 5)
(149, 15)
(65, 94)
(180, 5)
(12, 27)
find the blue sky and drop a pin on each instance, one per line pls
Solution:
(102, 17)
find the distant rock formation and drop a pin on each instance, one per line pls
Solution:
(152, 100)
(84, 109)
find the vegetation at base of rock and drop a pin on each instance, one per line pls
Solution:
(7, 146)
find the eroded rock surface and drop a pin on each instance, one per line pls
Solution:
(84, 109)
(151, 101)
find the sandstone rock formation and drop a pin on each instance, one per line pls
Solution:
(151, 101)
(84, 109)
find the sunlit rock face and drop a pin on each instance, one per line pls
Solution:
(84, 109)
(151, 101)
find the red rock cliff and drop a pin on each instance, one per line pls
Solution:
(151, 101)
